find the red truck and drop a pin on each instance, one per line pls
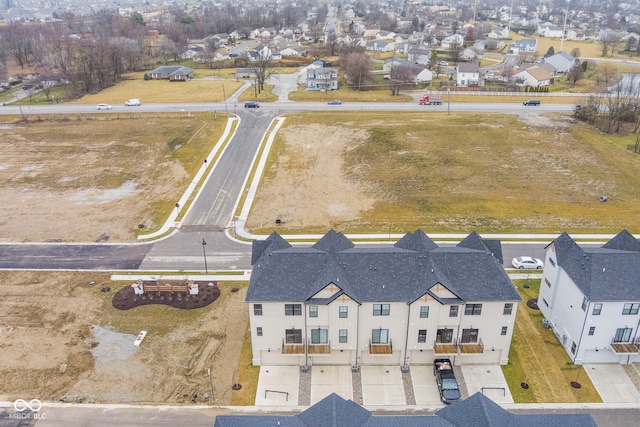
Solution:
(431, 100)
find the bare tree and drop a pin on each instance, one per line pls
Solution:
(400, 77)
(575, 73)
(211, 46)
(263, 69)
(357, 68)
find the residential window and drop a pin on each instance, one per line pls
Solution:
(508, 308)
(319, 336)
(342, 335)
(472, 309)
(424, 311)
(622, 335)
(453, 311)
(444, 336)
(293, 309)
(381, 309)
(503, 331)
(259, 331)
(257, 309)
(344, 311)
(380, 336)
(422, 335)
(293, 336)
(313, 311)
(585, 302)
(469, 336)
(573, 347)
(592, 330)
(552, 262)
(630, 308)
(547, 282)
(597, 309)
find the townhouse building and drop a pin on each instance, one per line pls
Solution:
(590, 298)
(323, 79)
(334, 303)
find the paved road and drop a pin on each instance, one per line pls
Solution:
(213, 209)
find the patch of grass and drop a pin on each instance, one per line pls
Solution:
(251, 94)
(537, 358)
(164, 91)
(346, 94)
(248, 376)
(473, 171)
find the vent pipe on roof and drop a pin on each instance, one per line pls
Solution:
(603, 269)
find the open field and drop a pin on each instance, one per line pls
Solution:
(201, 90)
(100, 175)
(386, 171)
(61, 338)
(538, 359)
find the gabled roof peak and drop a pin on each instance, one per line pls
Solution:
(333, 242)
(623, 241)
(417, 241)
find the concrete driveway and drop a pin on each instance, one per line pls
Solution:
(278, 386)
(382, 385)
(425, 388)
(613, 383)
(487, 379)
(331, 379)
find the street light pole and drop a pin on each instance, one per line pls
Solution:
(449, 101)
(204, 252)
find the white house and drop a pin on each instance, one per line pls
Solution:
(590, 297)
(547, 29)
(498, 33)
(333, 303)
(468, 74)
(561, 60)
(534, 76)
(322, 79)
(524, 46)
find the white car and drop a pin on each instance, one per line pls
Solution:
(104, 107)
(443, 63)
(527, 262)
(135, 102)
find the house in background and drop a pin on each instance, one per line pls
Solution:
(561, 60)
(498, 33)
(335, 304)
(524, 46)
(335, 411)
(548, 29)
(590, 298)
(173, 73)
(322, 79)
(533, 76)
(468, 74)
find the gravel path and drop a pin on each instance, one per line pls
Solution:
(304, 387)
(464, 393)
(409, 394)
(633, 374)
(356, 382)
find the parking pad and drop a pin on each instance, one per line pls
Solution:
(487, 379)
(425, 388)
(278, 385)
(382, 385)
(612, 383)
(327, 379)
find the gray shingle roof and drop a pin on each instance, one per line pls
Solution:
(401, 273)
(608, 273)
(476, 411)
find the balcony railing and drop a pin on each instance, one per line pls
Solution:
(472, 347)
(445, 347)
(625, 347)
(380, 348)
(318, 348)
(292, 348)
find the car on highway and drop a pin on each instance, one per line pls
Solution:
(104, 107)
(522, 262)
(335, 102)
(134, 102)
(534, 102)
(251, 104)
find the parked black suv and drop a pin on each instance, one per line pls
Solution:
(251, 105)
(534, 102)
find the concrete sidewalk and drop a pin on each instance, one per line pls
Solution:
(612, 383)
